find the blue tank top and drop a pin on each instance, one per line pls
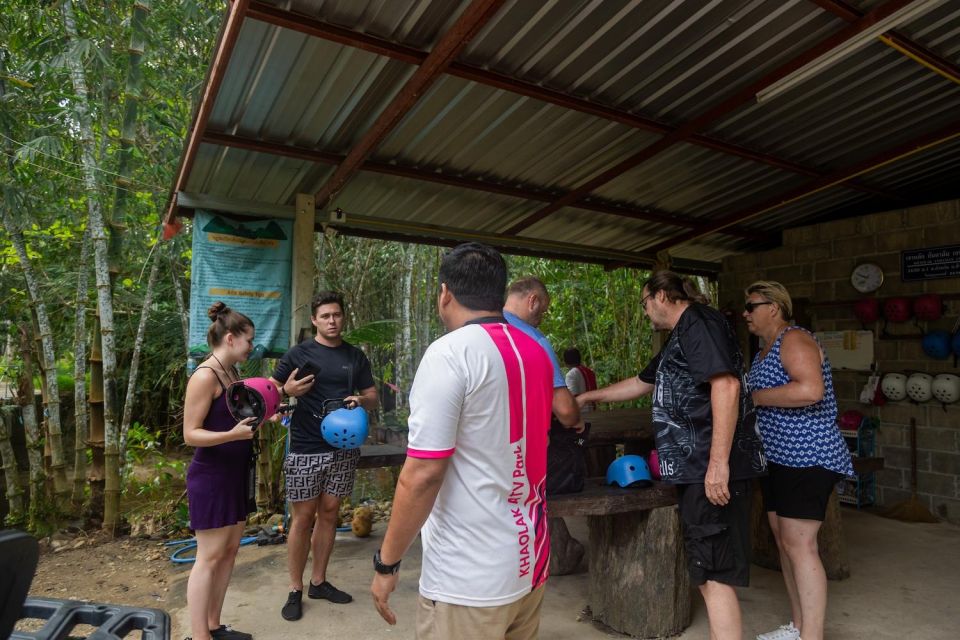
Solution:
(799, 436)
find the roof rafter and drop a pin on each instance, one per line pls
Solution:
(319, 29)
(910, 48)
(475, 184)
(710, 116)
(946, 134)
(466, 27)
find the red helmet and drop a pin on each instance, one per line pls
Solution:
(256, 398)
(867, 310)
(850, 420)
(928, 306)
(897, 309)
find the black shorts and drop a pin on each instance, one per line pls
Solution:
(717, 539)
(798, 492)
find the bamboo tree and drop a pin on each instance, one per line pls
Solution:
(98, 234)
(80, 414)
(49, 365)
(28, 413)
(181, 306)
(137, 348)
(11, 472)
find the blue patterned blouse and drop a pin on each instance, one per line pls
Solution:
(799, 436)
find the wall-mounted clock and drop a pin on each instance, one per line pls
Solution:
(866, 277)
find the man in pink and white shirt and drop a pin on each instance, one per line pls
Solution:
(473, 484)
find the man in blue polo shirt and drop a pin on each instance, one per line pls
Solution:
(527, 303)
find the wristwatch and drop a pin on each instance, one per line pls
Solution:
(385, 569)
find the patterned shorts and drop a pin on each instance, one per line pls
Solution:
(310, 474)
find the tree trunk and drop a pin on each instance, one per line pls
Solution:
(11, 471)
(181, 307)
(98, 233)
(28, 412)
(80, 413)
(137, 348)
(48, 367)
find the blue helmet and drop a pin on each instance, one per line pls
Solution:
(936, 344)
(629, 471)
(345, 428)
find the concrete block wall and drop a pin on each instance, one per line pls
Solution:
(814, 264)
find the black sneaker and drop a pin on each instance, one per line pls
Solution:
(293, 610)
(326, 591)
(226, 632)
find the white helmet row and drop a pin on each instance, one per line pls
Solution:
(921, 387)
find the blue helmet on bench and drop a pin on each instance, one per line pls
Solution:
(345, 428)
(629, 471)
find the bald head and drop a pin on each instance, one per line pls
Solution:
(527, 298)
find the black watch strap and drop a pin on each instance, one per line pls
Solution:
(385, 569)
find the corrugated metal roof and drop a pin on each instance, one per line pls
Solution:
(291, 105)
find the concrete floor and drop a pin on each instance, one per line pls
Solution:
(904, 584)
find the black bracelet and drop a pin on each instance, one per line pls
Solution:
(384, 569)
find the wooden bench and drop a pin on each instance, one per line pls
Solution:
(638, 574)
(373, 456)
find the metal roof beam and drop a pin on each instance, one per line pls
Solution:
(475, 184)
(710, 116)
(910, 48)
(473, 18)
(922, 144)
(225, 43)
(319, 29)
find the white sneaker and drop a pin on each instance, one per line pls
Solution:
(783, 632)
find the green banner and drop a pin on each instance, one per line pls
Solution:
(246, 264)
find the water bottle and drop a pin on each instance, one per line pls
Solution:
(258, 352)
(191, 365)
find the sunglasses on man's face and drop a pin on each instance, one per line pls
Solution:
(750, 306)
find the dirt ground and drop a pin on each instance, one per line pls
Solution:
(126, 571)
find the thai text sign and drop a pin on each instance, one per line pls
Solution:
(246, 264)
(927, 264)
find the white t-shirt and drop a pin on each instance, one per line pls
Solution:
(482, 396)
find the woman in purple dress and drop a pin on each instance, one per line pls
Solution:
(216, 479)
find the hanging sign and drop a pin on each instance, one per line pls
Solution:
(245, 264)
(928, 264)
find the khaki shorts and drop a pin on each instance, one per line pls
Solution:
(518, 620)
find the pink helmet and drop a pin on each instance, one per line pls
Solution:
(253, 398)
(867, 310)
(928, 306)
(850, 420)
(897, 309)
(654, 462)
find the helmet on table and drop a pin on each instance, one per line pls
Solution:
(654, 461)
(894, 386)
(252, 398)
(919, 387)
(629, 471)
(345, 428)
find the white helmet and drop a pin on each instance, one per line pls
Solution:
(946, 388)
(918, 387)
(894, 386)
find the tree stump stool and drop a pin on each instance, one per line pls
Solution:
(566, 552)
(638, 571)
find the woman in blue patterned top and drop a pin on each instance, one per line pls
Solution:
(792, 390)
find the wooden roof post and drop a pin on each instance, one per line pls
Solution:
(301, 280)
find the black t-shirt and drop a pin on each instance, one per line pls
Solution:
(341, 372)
(701, 346)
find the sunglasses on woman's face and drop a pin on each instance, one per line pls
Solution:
(750, 306)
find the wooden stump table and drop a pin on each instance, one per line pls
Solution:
(638, 573)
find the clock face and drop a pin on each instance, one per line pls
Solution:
(867, 277)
